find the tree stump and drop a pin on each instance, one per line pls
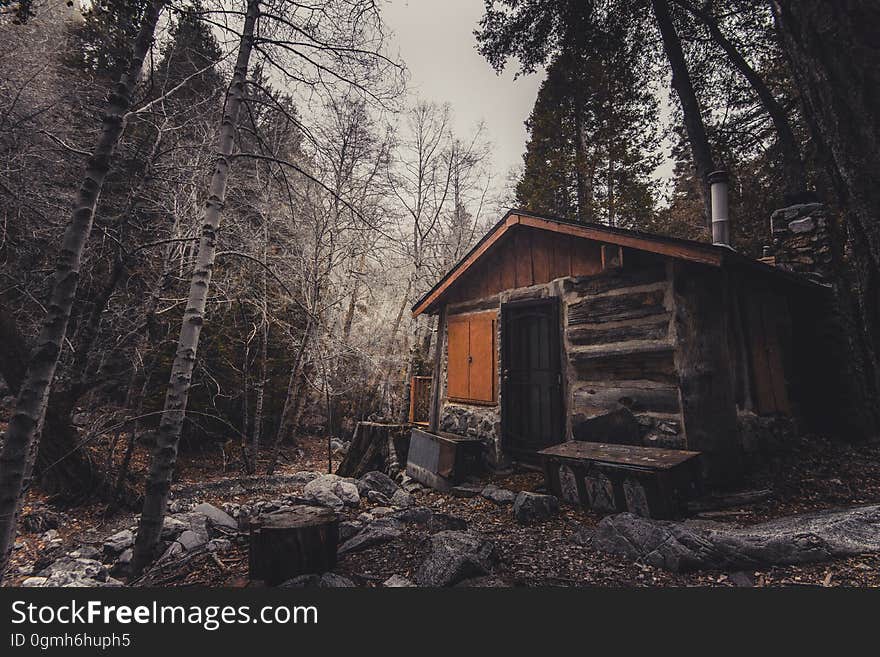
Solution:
(293, 542)
(375, 446)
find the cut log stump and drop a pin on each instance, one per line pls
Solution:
(375, 446)
(293, 542)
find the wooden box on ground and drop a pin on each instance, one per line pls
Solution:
(294, 542)
(442, 460)
(647, 481)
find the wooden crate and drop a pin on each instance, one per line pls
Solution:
(442, 460)
(647, 481)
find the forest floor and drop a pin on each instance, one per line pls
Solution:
(817, 474)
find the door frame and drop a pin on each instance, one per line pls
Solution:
(555, 307)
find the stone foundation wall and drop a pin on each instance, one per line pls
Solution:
(802, 239)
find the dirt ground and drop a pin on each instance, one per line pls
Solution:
(817, 474)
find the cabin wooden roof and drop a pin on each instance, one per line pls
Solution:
(689, 250)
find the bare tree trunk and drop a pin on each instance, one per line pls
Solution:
(254, 445)
(19, 448)
(684, 88)
(295, 389)
(168, 434)
(795, 176)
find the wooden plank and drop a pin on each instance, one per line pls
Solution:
(613, 280)
(542, 256)
(655, 458)
(648, 365)
(523, 257)
(508, 264)
(560, 264)
(586, 259)
(771, 309)
(688, 252)
(639, 397)
(482, 376)
(655, 329)
(457, 361)
(756, 343)
(436, 373)
(617, 307)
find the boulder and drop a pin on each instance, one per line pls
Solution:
(446, 521)
(348, 528)
(455, 556)
(686, 546)
(398, 582)
(498, 495)
(414, 515)
(376, 497)
(332, 491)
(401, 499)
(377, 532)
(315, 581)
(172, 527)
(118, 542)
(216, 517)
(529, 507)
(484, 582)
(85, 552)
(68, 571)
(378, 481)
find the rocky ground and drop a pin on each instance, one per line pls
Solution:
(499, 532)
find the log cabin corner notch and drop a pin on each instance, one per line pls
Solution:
(546, 324)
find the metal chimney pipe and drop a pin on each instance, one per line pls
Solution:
(718, 184)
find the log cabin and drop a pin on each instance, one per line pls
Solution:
(546, 325)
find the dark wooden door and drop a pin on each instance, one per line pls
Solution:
(531, 381)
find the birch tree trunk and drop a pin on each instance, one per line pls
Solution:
(19, 447)
(168, 434)
(684, 88)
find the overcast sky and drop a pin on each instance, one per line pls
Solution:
(436, 40)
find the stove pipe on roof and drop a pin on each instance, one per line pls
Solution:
(718, 184)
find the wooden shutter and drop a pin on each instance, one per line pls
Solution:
(471, 371)
(457, 367)
(482, 365)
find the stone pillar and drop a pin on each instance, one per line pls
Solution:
(802, 240)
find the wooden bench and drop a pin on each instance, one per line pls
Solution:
(647, 481)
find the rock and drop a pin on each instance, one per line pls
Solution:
(172, 527)
(66, 569)
(324, 581)
(85, 552)
(619, 427)
(366, 518)
(348, 528)
(455, 556)
(32, 582)
(118, 542)
(534, 507)
(49, 535)
(376, 497)
(219, 545)
(798, 539)
(377, 532)
(417, 515)
(498, 495)
(378, 481)
(742, 579)
(583, 536)
(178, 506)
(402, 499)
(332, 491)
(380, 511)
(216, 517)
(41, 520)
(398, 581)
(466, 490)
(122, 566)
